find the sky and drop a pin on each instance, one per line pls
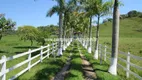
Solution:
(30, 12)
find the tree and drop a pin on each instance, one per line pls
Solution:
(89, 10)
(115, 39)
(28, 33)
(5, 24)
(68, 9)
(101, 8)
(133, 13)
(59, 9)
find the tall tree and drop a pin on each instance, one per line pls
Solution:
(59, 9)
(5, 24)
(115, 39)
(68, 9)
(102, 9)
(28, 33)
(90, 12)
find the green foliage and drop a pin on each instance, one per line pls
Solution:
(5, 24)
(28, 33)
(123, 16)
(46, 32)
(60, 7)
(130, 14)
(107, 20)
(134, 13)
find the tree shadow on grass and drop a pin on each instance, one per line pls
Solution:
(98, 63)
(70, 75)
(25, 47)
(49, 71)
(33, 54)
(3, 51)
(74, 50)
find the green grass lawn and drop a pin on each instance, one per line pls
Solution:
(76, 71)
(11, 45)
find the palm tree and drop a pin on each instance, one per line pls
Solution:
(115, 39)
(59, 9)
(68, 8)
(89, 10)
(102, 8)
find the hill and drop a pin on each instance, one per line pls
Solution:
(130, 35)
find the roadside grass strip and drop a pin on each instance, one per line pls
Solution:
(100, 69)
(76, 71)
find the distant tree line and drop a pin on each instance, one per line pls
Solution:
(38, 34)
(130, 14)
(27, 32)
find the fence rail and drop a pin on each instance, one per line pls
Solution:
(105, 51)
(45, 52)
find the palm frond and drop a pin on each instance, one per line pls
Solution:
(53, 10)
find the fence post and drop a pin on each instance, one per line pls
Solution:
(29, 60)
(65, 43)
(52, 48)
(3, 68)
(41, 52)
(128, 65)
(105, 53)
(48, 50)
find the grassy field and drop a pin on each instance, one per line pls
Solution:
(130, 35)
(11, 45)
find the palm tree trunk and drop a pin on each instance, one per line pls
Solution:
(72, 34)
(60, 34)
(86, 42)
(115, 40)
(97, 39)
(90, 35)
(83, 39)
(64, 31)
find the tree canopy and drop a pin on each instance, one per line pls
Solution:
(5, 24)
(28, 33)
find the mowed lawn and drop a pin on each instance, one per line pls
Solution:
(11, 45)
(132, 45)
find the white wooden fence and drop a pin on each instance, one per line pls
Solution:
(45, 51)
(105, 53)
